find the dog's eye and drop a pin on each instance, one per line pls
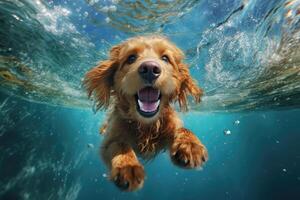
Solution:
(165, 58)
(131, 59)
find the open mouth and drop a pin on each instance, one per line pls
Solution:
(148, 100)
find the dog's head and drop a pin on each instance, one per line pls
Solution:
(144, 74)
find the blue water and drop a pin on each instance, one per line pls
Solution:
(245, 54)
(48, 155)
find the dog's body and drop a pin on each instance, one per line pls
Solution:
(142, 78)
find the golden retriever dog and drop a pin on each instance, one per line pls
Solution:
(139, 82)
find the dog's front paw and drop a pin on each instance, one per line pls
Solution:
(129, 177)
(188, 154)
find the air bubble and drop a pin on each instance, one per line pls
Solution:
(227, 132)
(107, 19)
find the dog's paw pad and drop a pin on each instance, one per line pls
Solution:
(128, 178)
(189, 155)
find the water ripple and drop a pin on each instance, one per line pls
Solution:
(245, 54)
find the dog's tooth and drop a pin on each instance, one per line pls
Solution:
(140, 103)
(157, 103)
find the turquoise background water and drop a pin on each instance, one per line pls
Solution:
(53, 154)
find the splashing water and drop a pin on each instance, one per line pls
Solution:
(245, 54)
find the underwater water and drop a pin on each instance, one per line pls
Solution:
(245, 54)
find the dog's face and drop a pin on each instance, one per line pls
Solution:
(145, 74)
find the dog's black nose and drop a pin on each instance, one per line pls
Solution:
(149, 71)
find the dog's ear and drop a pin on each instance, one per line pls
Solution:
(187, 86)
(100, 80)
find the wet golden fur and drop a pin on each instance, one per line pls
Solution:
(114, 83)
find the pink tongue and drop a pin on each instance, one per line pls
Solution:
(148, 94)
(148, 107)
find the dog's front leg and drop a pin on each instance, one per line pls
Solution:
(125, 170)
(186, 150)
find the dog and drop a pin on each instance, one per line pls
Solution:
(139, 83)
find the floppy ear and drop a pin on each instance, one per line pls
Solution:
(188, 86)
(100, 80)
